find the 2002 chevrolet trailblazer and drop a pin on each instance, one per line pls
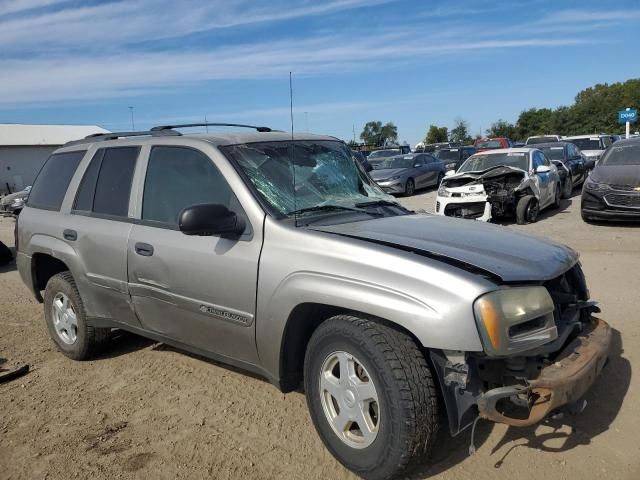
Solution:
(281, 256)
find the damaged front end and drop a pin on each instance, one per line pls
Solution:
(544, 362)
(484, 195)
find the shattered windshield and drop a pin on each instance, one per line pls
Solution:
(482, 161)
(322, 173)
(395, 162)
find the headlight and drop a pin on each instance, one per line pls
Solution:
(515, 319)
(18, 202)
(443, 192)
(397, 177)
(450, 165)
(595, 187)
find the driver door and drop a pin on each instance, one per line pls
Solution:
(544, 179)
(197, 290)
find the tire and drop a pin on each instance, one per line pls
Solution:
(409, 188)
(439, 181)
(527, 210)
(557, 195)
(405, 416)
(568, 187)
(82, 341)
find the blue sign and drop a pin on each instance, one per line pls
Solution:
(625, 116)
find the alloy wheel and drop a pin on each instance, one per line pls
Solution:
(349, 399)
(64, 317)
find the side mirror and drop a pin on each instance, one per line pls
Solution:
(448, 173)
(210, 219)
(543, 169)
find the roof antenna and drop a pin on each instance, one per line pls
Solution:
(291, 153)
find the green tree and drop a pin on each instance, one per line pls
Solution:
(377, 134)
(502, 128)
(460, 132)
(437, 134)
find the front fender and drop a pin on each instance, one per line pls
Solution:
(430, 324)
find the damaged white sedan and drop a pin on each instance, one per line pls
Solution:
(510, 182)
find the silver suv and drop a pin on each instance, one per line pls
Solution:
(280, 255)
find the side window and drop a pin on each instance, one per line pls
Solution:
(52, 182)
(178, 177)
(537, 160)
(106, 185)
(606, 141)
(420, 160)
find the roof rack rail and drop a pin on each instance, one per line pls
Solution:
(187, 125)
(103, 137)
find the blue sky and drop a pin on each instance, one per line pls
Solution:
(408, 61)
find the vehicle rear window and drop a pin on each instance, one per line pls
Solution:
(53, 180)
(587, 143)
(106, 185)
(537, 140)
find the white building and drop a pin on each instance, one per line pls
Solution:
(24, 148)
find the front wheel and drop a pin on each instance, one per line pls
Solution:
(527, 210)
(409, 188)
(557, 193)
(371, 396)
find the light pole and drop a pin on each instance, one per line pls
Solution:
(133, 125)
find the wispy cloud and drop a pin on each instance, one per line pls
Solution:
(57, 51)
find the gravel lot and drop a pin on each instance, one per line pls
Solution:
(144, 410)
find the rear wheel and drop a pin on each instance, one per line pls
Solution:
(439, 181)
(527, 210)
(66, 319)
(409, 188)
(568, 187)
(557, 194)
(371, 396)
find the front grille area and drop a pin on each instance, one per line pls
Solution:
(465, 210)
(566, 291)
(623, 200)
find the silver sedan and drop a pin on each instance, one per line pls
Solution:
(404, 174)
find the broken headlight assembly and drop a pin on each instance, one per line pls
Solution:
(514, 320)
(443, 192)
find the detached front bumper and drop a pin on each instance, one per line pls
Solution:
(563, 382)
(474, 207)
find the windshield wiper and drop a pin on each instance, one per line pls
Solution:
(319, 208)
(378, 203)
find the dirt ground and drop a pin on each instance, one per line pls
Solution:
(144, 410)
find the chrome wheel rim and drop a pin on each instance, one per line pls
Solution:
(65, 321)
(349, 400)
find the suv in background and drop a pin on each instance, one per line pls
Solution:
(434, 147)
(281, 256)
(454, 157)
(591, 146)
(482, 144)
(543, 139)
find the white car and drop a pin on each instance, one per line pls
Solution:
(543, 139)
(591, 146)
(516, 182)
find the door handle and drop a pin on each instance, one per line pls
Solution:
(70, 235)
(144, 249)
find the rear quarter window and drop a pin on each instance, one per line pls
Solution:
(51, 184)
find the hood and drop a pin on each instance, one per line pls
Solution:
(628, 175)
(488, 173)
(496, 251)
(385, 173)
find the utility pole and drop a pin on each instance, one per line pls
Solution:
(133, 125)
(353, 127)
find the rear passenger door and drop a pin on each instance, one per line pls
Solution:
(196, 290)
(98, 229)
